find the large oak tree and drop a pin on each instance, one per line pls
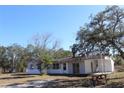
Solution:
(104, 33)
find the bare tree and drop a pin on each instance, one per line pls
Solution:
(55, 45)
(45, 41)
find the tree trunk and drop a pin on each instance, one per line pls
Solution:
(4, 70)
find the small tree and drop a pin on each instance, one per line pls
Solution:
(44, 47)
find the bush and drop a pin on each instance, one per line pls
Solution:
(118, 60)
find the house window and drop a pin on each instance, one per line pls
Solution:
(56, 66)
(53, 66)
(64, 66)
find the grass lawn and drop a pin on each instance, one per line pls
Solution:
(58, 81)
(116, 79)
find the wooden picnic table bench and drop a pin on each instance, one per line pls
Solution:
(99, 78)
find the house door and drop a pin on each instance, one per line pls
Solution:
(76, 68)
(94, 66)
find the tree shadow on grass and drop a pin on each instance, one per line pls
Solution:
(114, 85)
(115, 78)
(57, 83)
(61, 83)
(70, 75)
(24, 74)
(15, 84)
(16, 77)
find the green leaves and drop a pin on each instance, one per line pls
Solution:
(103, 33)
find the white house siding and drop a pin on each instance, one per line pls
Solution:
(70, 68)
(82, 67)
(104, 65)
(55, 71)
(88, 68)
(59, 71)
(87, 64)
(111, 64)
(107, 66)
(32, 71)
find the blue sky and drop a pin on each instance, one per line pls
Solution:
(19, 23)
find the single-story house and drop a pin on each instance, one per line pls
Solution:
(78, 65)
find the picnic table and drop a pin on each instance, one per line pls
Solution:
(99, 78)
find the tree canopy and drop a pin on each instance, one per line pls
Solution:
(103, 34)
(43, 48)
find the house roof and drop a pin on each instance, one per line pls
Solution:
(79, 58)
